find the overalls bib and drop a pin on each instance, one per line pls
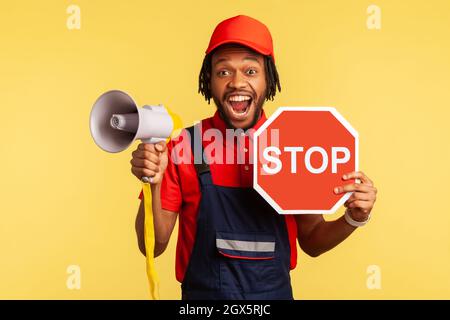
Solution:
(241, 249)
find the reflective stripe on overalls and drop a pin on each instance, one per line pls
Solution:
(241, 249)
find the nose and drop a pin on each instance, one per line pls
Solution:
(238, 81)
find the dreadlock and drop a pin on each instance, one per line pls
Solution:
(272, 78)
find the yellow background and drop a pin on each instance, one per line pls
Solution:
(65, 202)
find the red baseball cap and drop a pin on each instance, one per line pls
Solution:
(243, 30)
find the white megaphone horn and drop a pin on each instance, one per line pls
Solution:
(116, 121)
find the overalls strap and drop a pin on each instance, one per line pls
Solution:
(195, 136)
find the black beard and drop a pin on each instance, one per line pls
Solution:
(258, 106)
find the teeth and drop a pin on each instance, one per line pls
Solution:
(239, 98)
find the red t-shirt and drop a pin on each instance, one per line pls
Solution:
(180, 188)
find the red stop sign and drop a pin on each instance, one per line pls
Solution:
(300, 155)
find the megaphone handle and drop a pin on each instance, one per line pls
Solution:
(151, 140)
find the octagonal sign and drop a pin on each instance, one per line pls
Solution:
(300, 155)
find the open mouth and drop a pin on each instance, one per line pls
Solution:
(239, 105)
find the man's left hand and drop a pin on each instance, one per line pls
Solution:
(361, 202)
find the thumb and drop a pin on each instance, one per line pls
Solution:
(161, 146)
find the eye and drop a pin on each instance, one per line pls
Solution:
(223, 73)
(251, 71)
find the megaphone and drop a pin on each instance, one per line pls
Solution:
(116, 122)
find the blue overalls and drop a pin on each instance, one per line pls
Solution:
(241, 250)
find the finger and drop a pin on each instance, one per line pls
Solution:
(145, 164)
(141, 154)
(361, 196)
(358, 175)
(353, 187)
(147, 146)
(143, 172)
(133, 171)
(351, 200)
(361, 204)
(161, 146)
(147, 172)
(137, 172)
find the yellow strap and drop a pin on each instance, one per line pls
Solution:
(149, 235)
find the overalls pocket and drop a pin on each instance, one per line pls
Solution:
(247, 261)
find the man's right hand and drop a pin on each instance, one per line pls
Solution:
(150, 160)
